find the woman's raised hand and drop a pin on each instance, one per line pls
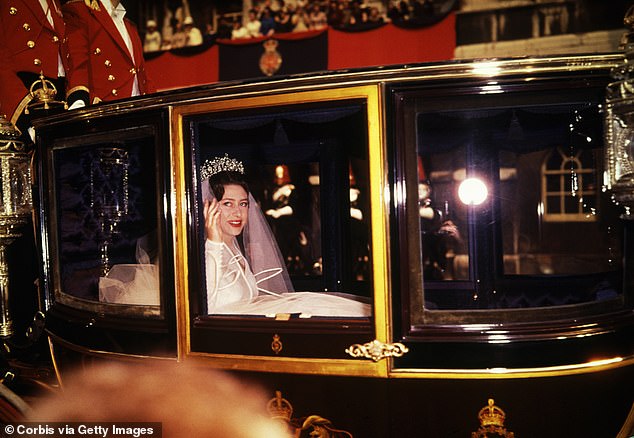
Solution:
(211, 213)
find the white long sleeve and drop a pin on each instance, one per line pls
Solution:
(228, 276)
(213, 272)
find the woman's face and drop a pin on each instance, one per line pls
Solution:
(234, 208)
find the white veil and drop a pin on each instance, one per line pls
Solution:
(260, 248)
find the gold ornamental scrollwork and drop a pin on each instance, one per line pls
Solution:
(377, 350)
(313, 426)
(320, 427)
(10, 138)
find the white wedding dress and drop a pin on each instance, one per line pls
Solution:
(232, 288)
(229, 277)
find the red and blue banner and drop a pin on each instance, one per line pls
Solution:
(302, 52)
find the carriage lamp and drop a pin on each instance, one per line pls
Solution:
(619, 124)
(15, 207)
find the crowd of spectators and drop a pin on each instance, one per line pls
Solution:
(179, 30)
(265, 19)
(268, 17)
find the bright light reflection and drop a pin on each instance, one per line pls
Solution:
(486, 68)
(472, 191)
(490, 89)
(605, 361)
(499, 339)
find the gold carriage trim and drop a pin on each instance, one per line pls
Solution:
(77, 88)
(279, 408)
(377, 350)
(318, 427)
(276, 344)
(10, 137)
(492, 422)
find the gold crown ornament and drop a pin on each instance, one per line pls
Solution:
(43, 94)
(279, 408)
(491, 415)
(221, 164)
(492, 422)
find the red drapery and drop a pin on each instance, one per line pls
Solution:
(386, 45)
(392, 45)
(169, 71)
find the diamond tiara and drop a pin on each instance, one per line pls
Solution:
(220, 164)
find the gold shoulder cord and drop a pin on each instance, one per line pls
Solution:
(93, 4)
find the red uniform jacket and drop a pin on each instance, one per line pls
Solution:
(28, 44)
(100, 64)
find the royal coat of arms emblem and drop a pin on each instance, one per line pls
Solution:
(271, 60)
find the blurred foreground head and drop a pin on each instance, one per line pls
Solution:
(188, 401)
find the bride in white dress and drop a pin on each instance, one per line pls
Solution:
(256, 282)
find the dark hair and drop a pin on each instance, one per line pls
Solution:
(218, 181)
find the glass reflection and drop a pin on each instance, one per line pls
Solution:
(544, 235)
(555, 221)
(109, 196)
(443, 219)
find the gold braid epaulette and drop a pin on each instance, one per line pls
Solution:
(93, 4)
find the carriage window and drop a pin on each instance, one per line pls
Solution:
(106, 222)
(512, 214)
(283, 199)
